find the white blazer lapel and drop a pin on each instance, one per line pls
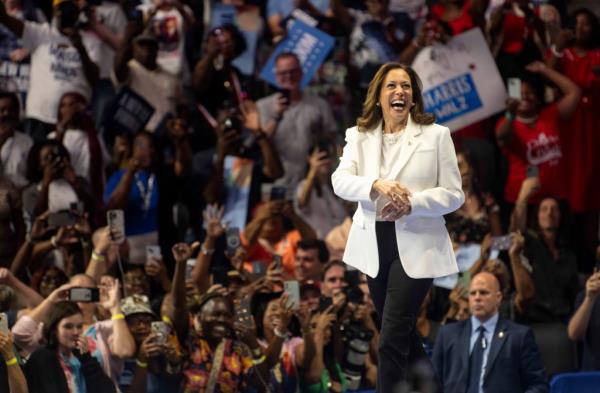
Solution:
(410, 145)
(371, 150)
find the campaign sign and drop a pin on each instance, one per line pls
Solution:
(237, 174)
(452, 98)
(461, 83)
(129, 113)
(311, 46)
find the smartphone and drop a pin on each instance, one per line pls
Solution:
(243, 312)
(501, 243)
(292, 288)
(232, 241)
(278, 193)
(3, 323)
(162, 330)
(153, 254)
(85, 295)
(286, 93)
(220, 276)
(63, 218)
(464, 280)
(189, 267)
(259, 269)
(324, 303)
(77, 208)
(514, 88)
(116, 225)
(532, 171)
(277, 261)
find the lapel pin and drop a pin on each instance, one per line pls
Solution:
(501, 335)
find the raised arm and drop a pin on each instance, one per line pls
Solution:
(524, 286)
(567, 104)
(125, 52)
(579, 323)
(181, 253)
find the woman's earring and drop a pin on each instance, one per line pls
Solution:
(377, 104)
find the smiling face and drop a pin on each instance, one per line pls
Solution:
(396, 97)
(68, 331)
(583, 27)
(216, 319)
(549, 215)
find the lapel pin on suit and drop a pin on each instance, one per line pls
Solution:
(501, 335)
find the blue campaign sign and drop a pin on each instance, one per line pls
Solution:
(311, 46)
(453, 98)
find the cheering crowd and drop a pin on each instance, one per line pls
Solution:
(202, 251)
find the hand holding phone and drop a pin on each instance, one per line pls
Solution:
(161, 330)
(501, 243)
(116, 225)
(514, 88)
(84, 295)
(4, 323)
(292, 288)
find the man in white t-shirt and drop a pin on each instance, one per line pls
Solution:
(14, 145)
(145, 76)
(59, 63)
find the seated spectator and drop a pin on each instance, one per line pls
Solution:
(311, 256)
(59, 63)
(314, 199)
(266, 234)
(14, 145)
(12, 226)
(12, 379)
(75, 130)
(503, 355)
(294, 122)
(76, 368)
(528, 134)
(54, 184)
(546, 258)
(136, 67)
(585, 322)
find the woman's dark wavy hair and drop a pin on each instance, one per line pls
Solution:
(371, 113)
(34, 172)
(536, 82)
(594, 41)
(57, 313)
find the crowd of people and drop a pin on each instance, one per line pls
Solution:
(203, 251)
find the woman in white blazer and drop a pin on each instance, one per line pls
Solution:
(401, 169)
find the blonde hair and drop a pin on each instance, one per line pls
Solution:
(372, 115)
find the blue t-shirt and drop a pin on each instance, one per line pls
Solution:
(285, 7)
(137, 220)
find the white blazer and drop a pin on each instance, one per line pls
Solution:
(427, 167)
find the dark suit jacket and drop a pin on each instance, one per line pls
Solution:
(514, 364)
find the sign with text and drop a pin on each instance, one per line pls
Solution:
(129, 113)
(461, 83)
(311, 46)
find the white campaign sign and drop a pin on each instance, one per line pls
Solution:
(461, 83)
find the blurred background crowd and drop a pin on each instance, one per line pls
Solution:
(184, 288)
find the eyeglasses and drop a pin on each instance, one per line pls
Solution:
(291, 72)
